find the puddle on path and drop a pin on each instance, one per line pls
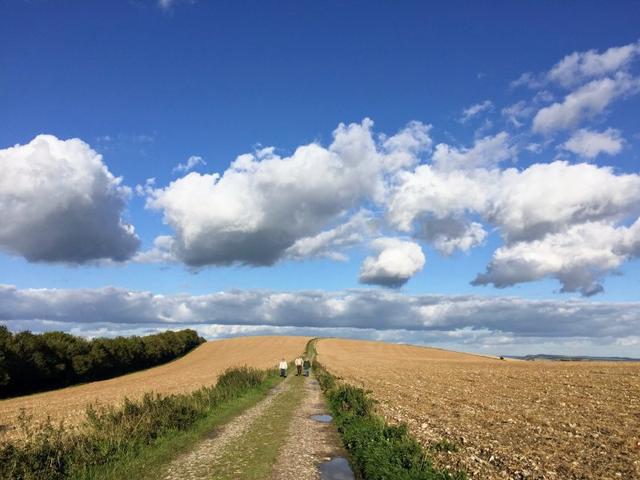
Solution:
(336, 469)
(324, 418)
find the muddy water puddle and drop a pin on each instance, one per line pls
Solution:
(337, 468)
(324, 418)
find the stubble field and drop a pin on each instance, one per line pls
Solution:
(200, 367)
(508, 419)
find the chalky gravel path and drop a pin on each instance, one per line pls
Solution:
(199, 464)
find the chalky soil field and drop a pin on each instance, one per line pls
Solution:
(504, 419)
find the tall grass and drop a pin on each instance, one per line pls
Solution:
(378, 451)
(51, 452)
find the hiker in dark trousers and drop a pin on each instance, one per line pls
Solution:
(298, 363)
(307, 366)
(283, 368)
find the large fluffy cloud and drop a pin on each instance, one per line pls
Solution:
(553, 218)
(578, 257)
(60, 203)
(395, 262)
(510, 324)
(263, 204)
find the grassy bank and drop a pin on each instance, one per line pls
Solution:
(118, 442)
(378, 451)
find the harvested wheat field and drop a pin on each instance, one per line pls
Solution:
(199, 367)
(509, 419)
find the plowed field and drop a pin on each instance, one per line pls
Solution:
(200, 367)
(509, 419)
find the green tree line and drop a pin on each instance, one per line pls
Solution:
(35, 362)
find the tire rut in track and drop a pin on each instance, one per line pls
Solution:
(309, 442)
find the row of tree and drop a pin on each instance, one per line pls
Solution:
(34, 362)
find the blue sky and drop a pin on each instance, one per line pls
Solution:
(148, 85)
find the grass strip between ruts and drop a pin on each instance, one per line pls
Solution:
(253, 455)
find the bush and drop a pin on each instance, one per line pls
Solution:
(47, 451)
(31, 362)
(378, 451)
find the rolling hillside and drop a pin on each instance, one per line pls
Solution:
(200, 367)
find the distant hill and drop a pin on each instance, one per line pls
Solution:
(573, 358)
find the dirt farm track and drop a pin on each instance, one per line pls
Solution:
(199, 367)
(509, 419)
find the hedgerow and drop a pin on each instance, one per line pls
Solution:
(47, 451)
(34, 362)
(378, 451)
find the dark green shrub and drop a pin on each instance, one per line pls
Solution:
(31, 363)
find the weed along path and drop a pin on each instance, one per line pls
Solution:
(276, 439)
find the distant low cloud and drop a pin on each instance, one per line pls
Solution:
(192, 162)
(60, 203)
(395, 262)
(467, 322)
(589, 144)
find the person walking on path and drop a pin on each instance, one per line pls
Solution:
(298, 363)
(307, 366)
(283, 368)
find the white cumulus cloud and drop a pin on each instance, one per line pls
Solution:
(531, 208)
(580, 66)
(394, 264)
(263, 204)
(589, 144)
(586, 102)
(488, 151)
(60, 203)
(578, 257)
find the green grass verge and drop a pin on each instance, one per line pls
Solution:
(117, 435)
(378, 451)
(253, 455)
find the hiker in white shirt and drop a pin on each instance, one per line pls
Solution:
(283, 368)
(298, 363)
